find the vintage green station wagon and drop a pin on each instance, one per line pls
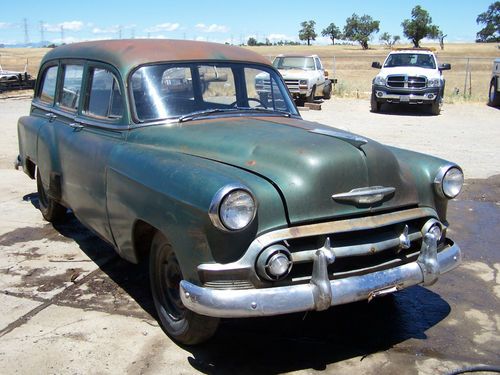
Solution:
(168, 151)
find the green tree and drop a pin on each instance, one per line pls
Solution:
(491, 21)
(252, 41)
(333, 32)
(307, 32)
(420, 26)
(360, 29)
(388, 39)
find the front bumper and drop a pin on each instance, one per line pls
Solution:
(391, 95)
(321, 293)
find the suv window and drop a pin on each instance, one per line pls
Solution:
(72, 82)
(105, 98)
(48, 90)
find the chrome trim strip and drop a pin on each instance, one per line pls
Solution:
(320, 293)
(247, 261)
(366, 195)
(410, 96)
(353, 139)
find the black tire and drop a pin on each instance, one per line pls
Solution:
(310, 98)
(493, 96)
(327, 90)
(182, 325)
(436, 106)
(51, 210)
(374, 104)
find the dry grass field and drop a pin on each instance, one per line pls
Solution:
(349, 64)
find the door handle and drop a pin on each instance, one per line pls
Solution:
(76, 127)
(51, 116)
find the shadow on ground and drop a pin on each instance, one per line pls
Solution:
(405, 110)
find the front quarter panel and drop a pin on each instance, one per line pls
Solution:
(172, 192)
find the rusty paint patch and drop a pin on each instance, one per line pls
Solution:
(251, 163)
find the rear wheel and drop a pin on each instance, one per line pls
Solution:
(181, 324)
(50, 209)
(374, 104)
(494, 97)
(327, 90)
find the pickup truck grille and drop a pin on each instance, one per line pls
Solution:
(292, 84)
(404, 81)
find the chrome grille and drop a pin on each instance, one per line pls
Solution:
(404, 81)
(292, 84)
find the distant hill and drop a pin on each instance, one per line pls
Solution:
(29, 45)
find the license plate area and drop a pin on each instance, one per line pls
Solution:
(404, 99)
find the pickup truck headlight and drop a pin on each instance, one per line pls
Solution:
(233, 208)
(303, 82)
(379, 80)
(449, 181)
(434, 82)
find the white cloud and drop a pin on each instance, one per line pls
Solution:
(66, 25)
(201, 39)
(106, 30)
(5, 25)
(167, 26)
(213, 28)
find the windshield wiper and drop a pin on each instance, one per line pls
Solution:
(204, 112)
(260, 109)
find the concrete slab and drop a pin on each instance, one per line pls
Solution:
(11, 308)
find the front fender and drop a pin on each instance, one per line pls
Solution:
(172, 192)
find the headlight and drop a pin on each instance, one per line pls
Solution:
(303, 82)
(449, 181)
(233, 208)
(379, 80)
(434, 82)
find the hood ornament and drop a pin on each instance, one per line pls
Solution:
(366, 195)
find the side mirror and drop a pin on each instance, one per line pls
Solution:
(444, 67)
(376, 65)
(326, 73)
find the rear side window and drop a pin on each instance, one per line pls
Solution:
(48, 90)
(72, 82)
(105, 98)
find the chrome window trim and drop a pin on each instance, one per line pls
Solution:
(213, 210)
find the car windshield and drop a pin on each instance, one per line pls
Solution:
(410, 59)
(294, 62)
(186, 91)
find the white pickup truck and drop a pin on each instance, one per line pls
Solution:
(410, 76)
(494, 93)
(304, 76)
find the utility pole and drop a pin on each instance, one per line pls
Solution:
(120, 32)
(26, 35)
(132, 33)
(62, 34)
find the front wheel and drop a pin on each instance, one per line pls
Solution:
(494, 97)
(327, 90)
(181, 324)
(50, 209)
(436, 106)
(374, 104)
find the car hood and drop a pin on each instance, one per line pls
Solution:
(295, 73)
(306, 166)
(410, 71)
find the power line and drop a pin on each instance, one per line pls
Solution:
(42, 32)
(26, 35)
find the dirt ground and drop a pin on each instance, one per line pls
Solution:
(68, 304)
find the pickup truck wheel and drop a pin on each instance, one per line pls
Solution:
(494, 97)
(310, 98)
(327, 90)
(181, 324)
(436, 106)
(374, 104)
(50, 209)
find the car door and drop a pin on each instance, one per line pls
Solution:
(89, 126)
(320, 79)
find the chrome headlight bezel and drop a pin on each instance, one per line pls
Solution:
(217, 204)
(449, 174)
(434, 82)
(380, 80)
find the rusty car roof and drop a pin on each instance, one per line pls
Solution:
(125, 54)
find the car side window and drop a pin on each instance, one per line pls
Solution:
(217, 84)
(318, 64)
(48, 90)
(105, 99)
(72, 82)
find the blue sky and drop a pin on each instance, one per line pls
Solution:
(220, 21)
